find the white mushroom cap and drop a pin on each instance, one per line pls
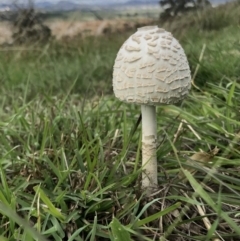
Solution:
(151, 68)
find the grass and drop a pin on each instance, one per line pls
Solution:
(70, 163)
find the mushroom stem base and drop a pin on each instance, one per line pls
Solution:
(149, 143)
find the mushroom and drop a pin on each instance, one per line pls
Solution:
(151, 69)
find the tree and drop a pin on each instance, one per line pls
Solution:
(29, 28)
(177, 7)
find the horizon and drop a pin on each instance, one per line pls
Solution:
(90, 2)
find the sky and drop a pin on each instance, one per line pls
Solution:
(55, 1)
(85, 1)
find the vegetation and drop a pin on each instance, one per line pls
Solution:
(70, 152)
(176, 7)
(29, 28)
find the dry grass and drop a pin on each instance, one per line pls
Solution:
(5, 33)
(70, 29)
(67, 29)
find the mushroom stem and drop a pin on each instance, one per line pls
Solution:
(149, 142)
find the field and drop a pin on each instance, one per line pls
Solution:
(70, 163)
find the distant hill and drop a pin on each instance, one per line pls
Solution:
(62, 5)
(141, 2)
(68, 5)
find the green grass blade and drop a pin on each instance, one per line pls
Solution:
(158, 214)
(5, 210)
(3, 239)
(50, 207)
(119, 232)
(204, 195)
(94, 229)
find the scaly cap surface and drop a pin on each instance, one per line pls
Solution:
(151, 68)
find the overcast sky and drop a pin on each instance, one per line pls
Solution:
(86, 1)
(55, 1)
